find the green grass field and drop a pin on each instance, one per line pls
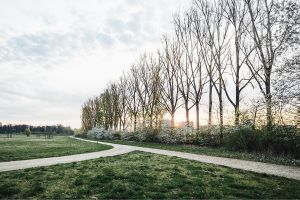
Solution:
(21, 147)
(221, 152)
(143, 175)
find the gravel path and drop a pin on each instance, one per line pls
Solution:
(259, 167)
(264, 168)
(24, 164)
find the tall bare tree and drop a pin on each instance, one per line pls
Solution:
(134, 102)
(191, 74)
(217, 28)
(235, 13)
(170, 59)
(123, 106)
(273, 27)
(205, 56)
(186, 67)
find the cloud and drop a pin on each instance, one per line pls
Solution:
(56, 54)
(44, 47)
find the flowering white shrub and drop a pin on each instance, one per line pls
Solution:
(141, 136)
(172, 136)
(165, 135)
(99, 133)
(126, 135)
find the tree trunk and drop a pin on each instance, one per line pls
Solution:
(151, 121)
(268, 98)
(173, 120)
(237, 80)
(221, 118)
(210, 104)
(187, 115)
(123, 125)
(144, 119)
(135, 123)
(237, 104)
(197, 116)
(221, 108)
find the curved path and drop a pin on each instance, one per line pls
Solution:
(24, 164)
(265, 168)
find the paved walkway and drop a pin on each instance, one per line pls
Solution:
(24, 164)
(265, 168)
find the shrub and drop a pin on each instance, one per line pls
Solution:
(172, 136)
(116, 135)
(165, 137)
(151, 135)
(27, 132)
(281, 140)
(99, 133)
(129, 136)
(205, 137)
(241, 138)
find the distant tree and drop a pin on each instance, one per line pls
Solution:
(27, 132)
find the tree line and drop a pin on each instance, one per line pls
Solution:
(221, 48)
(55, 129)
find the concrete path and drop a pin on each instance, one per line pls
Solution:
(271, 169)
(259, 167)
(24, 164)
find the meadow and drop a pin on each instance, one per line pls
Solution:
(143, 175)
(20, 147)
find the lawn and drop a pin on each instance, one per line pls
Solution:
(220, 152)
(21, 147)
(142, 175)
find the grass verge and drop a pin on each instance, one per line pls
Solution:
(220, 152)
(21, 147)
(143, 175)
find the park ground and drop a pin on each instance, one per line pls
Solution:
(21, 147)
(211, 151)
(133, 175)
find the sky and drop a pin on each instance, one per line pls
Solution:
(55, 54)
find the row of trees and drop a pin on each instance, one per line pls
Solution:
(219, 47)
(58, 129)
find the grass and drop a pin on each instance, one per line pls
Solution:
(21, 147)
(220, 152)
(143, 175)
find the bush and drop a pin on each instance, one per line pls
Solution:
(172, 136)
(151, 135)
(99, 133)
(281, 140)
(116, 135)
(129, 136)
(205, 137)
(27, 132)
(241, 138)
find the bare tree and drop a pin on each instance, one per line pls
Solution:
(86, 116)
(153, 89)
(235, 13)
(133, 100)
(272, 29)
(217, 28)
(123, 106)
(186, 68)
(191, 74)
(170, 59)
(205, 56)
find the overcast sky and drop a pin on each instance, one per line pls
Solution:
(55, 54)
